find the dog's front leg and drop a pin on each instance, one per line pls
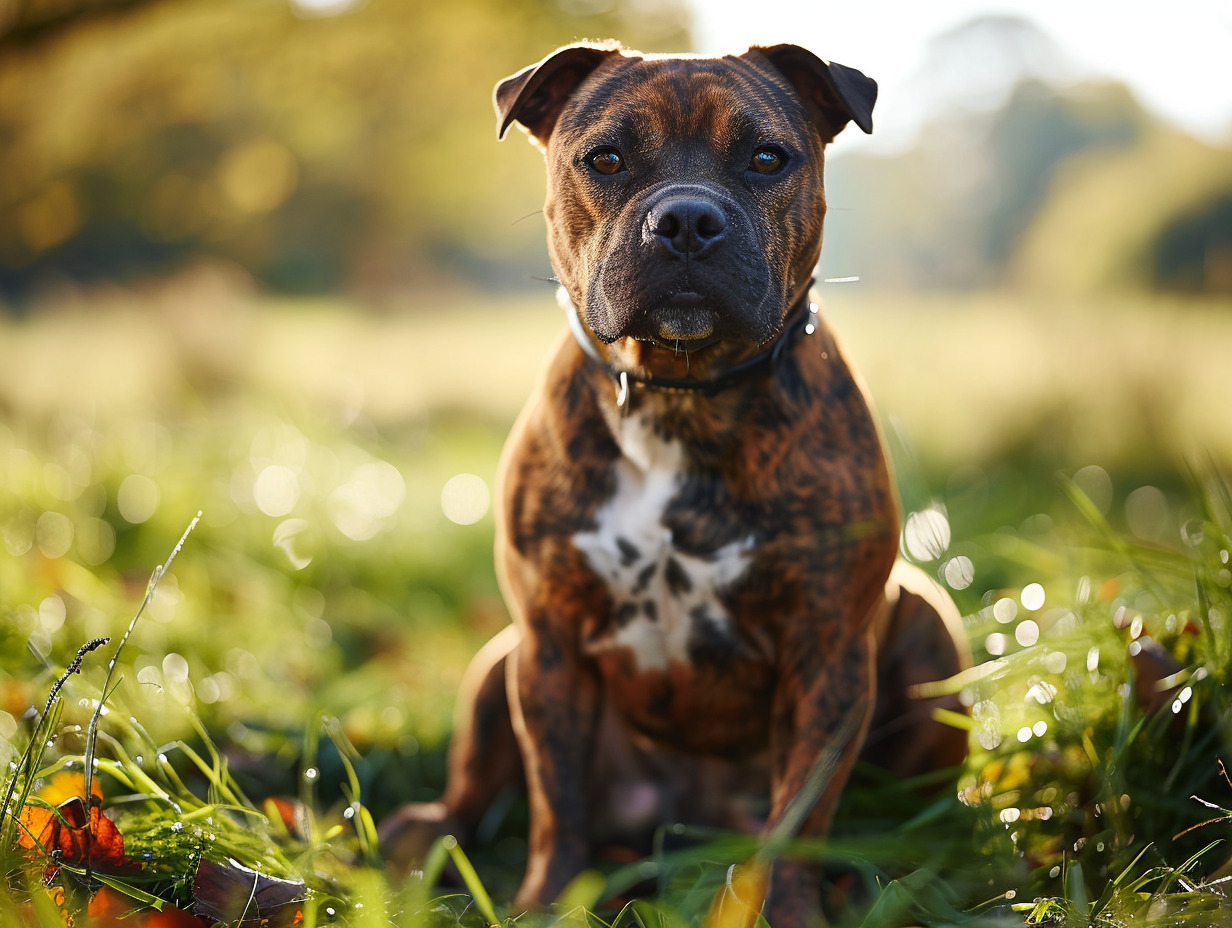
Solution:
(820, 719)
(555, 700)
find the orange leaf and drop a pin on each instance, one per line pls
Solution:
(65, 785)
(110, 908)
(81, 841)
(288, 811)
(738, 903)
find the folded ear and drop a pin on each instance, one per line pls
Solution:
(833, 93)
(535, 96)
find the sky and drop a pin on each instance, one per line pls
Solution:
(1175, 54)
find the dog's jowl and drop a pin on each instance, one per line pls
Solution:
(696, 527)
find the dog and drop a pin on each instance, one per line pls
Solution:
(697, 529)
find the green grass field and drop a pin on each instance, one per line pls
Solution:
(307, 642)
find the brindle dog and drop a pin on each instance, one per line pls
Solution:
(696, 526)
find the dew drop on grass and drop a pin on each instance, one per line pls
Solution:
(1027, 633)
(1005, 610)
(1032, 596)
(465, 499)
(311, 774)
(1042, 692)
(959, 572)
(1055, 872)
(1193, 533)
(926, 536)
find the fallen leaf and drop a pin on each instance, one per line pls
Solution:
(67, 834)
(245, 898)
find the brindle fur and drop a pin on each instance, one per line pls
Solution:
(785, 469)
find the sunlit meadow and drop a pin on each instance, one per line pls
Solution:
(291, 676)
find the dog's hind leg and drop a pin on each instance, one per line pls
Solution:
(921, 642)
(483, 760)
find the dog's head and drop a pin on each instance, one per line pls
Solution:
(685, 196)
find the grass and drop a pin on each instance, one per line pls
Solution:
(291, 679)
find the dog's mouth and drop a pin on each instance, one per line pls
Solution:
(684, 345)
(673, 343)
(685, 322)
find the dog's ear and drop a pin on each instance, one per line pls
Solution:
(535, 96)
(833, 93)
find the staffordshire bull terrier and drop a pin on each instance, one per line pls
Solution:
(696, 524)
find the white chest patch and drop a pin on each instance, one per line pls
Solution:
(662, 598)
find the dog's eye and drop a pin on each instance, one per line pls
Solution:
(606, 161)
(768, 160)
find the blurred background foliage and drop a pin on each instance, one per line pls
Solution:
(317, 152)
(1064, 187)
(265, 259)
(355, 152)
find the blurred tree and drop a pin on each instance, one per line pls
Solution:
(319, 143)
(1032, 137)
(1025, 177)
(26, 22)
(1195, 251)
(951, 211)
(1154, 215)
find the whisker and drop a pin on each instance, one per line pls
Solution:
(537, 212)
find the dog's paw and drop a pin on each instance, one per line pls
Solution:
(407, 834)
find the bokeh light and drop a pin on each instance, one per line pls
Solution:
(926, 535)
(465, 499)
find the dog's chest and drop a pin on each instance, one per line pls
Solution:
(667, 603)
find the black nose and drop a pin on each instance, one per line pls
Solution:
(686, 226)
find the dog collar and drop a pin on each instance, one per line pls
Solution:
(801, 321)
